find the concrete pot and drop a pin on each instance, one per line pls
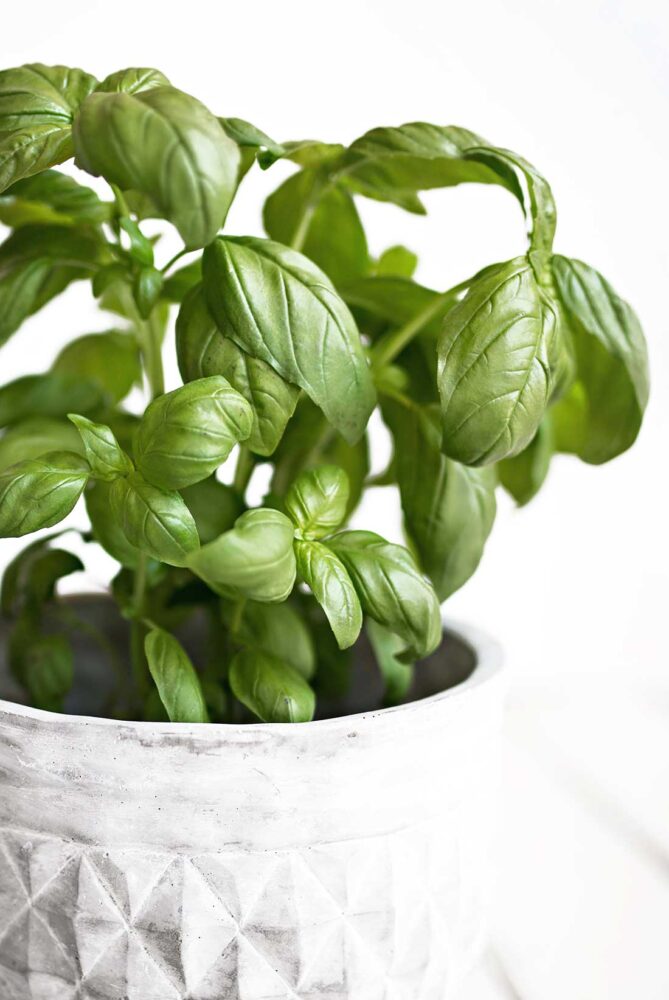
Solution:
(341, 859)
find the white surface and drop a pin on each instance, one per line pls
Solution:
(577, 585)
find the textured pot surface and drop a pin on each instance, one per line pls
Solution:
(340, 859)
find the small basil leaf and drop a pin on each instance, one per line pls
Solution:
(141, 248)
(329, 582)
(53, 394)
(317, 501)
(396, 675)
(254, 559)
(51, 199)
(39, 492)
(202, 351)
(180, 282)
(37, 106)
(147, 287)
(270, 688)
(46, 569)
(304, 152)
(132, 81)
(156, 521)
(103, 452)
(281, 308)
(165, 144)
(523, 475)
(495, 378)
(186, 434)
(392, 590)
(214, 506)
(448, 508)
(35, 436)
(46, 665)
(247, 135)
(396, 262)
(611, 360)
(175, 677)
(280, 630)
(16, 573)
(106, 528)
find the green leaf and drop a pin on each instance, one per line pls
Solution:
(132, 81)
(186, 434)
(392, 590)
(397, 262)
(103, 452)
(156, 521)
(214, 506)
(147, 287)
(110, 360)
(53, 394)
(140, 248)
(270, 688)
(495, 354)
(397, 300)
(37, 106)
(180, 282)
(334, 238)
(304, 152)
(248, 136)
(35, 436)
(448, 508)
(203, 351)
(317, 501)
(45, 570)
(39, 492)
(329, 582)
(254, 559)
(397, 676)
(165, 144)
(611, 361)
(280, 630)
(20, 579)
(106, 529)
(175, 677)
(51, 199)
(46, 665)
(281, 308)
(523, 475)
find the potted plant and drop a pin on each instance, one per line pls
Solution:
(259, 768)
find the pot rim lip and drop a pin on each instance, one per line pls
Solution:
(489, 664)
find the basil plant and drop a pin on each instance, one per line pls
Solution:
(286, 344)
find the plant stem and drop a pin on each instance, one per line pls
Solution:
(243, 469)
(393, 343)
(138, 629)
(174, 259)
(153, 355)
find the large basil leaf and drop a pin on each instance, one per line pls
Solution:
(271, 688)
(448, 508)
(186, 434)
(109, 360)
(45, 664)
(164, 144)
(523, 475)
(392, 590)
(39, 492)
(34, 437)
(106, 529)
(203, 351)
(51, 199)
(132, 81)
(254, 559)
(611, 360)
(156, 521)
(325, 220)
(278, 629)
(279, 307)
(37, 107)
(50, 395)
(317, 501)
(494, 375)
(175, 677)
(103, 452)
(329, 582)
(214, 506)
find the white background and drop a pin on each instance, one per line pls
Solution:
(576, 586)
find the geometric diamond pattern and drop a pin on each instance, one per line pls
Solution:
(382, 918)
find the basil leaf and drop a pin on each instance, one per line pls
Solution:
(392, 590)
(270, 688)
(397, 300)
(304, 152)
(523, 475)
(16, 573)
(448, 508)
(334, 237)
(50, 395)
(280, 308)
(397, 676)
(329, 582)
(110, 360)
(186, 434)
(397, 262)
(51, 199)
(180, 282)
(147, 287)
(46, 666)
(165, 144)
(175, 677)
(106, 529)
(37, 106)
(39, 492)
(46, 569)
(611, 360)
(280, 630)
(248, 136)
(103, 452)
(35, 436)
(254, 559)
(317, 501)
(214, 506)
(156, 521)
(203, 351)
(495, 352)
(132, 81)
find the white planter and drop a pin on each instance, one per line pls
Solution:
(341, 859)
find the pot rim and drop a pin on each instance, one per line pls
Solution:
(489, 664)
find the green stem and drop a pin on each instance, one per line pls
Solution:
(393, 343)
(243, 469)
(174, 259)
(153, 355)
(237, 615)
(138, 629)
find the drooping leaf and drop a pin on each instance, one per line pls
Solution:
(281, 308)
(175, 677)
(214, 506)
(331, 585)
(203, 351)
(397, 676)
(270, 688)
(51, 199)
(33, 574)
(165, 144)
(103, 452)
(39, 492)
(317, 501)
(53, 394)
(255, 559)
(392, 590)
(34, 437)
(45, 570)
(156, 521)
(186, 434)
(523, 475)
(278, 629)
